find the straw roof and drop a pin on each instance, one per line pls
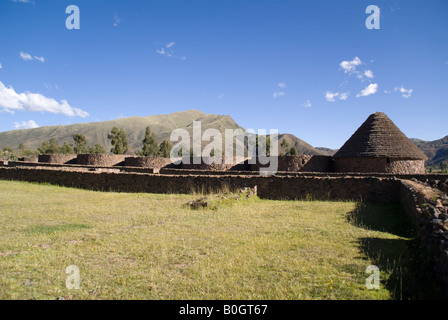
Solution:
(379, 137)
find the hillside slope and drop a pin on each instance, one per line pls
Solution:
(160, 125)
(436, 151)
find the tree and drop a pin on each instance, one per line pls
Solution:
(293, 151)
(53, 147)
(284, 145)
(67, 149)
(97, 149)
(443, 165)
(165, 149)
(80, 143)
(43, 149)
(150, 147)
(263, 143)
(119, 140)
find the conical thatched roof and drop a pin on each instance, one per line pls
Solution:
(378, 137)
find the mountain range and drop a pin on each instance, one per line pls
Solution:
(162, 126)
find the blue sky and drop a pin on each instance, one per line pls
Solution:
(309, 68)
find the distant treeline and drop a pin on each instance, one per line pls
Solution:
(117, 137)
(119, 142)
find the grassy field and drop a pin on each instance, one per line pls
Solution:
(152, 246)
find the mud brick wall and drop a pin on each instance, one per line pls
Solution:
(429, 213)
(106, 160)
(57, 158)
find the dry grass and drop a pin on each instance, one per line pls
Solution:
(151, 246)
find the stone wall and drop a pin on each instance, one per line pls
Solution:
(379, 165)
(406, 166)
(148, 162)
(101, 159)
(57, 158)
(319, 164)
(427, 207)
(212, 163)
(296, 163)
(270, 187)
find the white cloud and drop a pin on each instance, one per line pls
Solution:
(279, 94)
(25, 56)
(306, 104)
(343, 96)
(350, 66)
(23, 1)
(161, 51)
(330, 96)
(370, 89)
(168, 51)
(11, 101)
(368, 74)
(405, 93)
(282, 85)
(1, 66)
(31, 124)
(41, 59)
(117, 20)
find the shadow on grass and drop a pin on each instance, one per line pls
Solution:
(405, 267)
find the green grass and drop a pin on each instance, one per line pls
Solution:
(153, 246)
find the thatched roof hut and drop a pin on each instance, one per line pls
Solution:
(379, 146)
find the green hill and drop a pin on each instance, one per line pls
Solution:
(436, 151)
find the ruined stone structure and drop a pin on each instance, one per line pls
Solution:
(212, 163)
(303, 163)
(148, 162)
(378, 146)
(57, 158)
(100, 159)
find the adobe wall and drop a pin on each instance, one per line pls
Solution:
(57, 158)
(428, 209)
(379, 165)
(101, 159)
(148, 162)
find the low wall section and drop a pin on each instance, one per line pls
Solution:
(57, 158)
(271, 187)
(428, 210)
(101, 159)
(304, 163)
(148, 162)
